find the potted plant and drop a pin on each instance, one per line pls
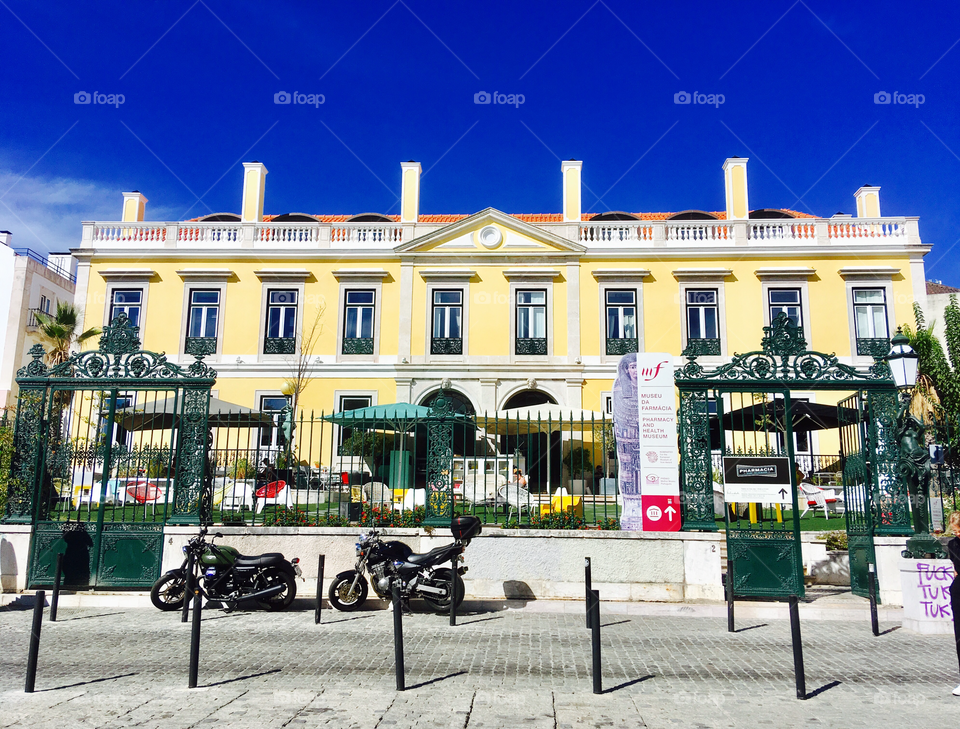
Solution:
(579, 465)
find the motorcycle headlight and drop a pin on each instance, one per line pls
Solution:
(184, 549)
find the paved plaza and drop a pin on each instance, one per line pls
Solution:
(120, 667)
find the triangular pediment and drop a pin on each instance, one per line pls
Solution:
(509, 235)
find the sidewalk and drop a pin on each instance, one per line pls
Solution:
(113, 667)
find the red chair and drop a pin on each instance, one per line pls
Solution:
(275, 492)
(142, 492)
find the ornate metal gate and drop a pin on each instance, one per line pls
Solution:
(109, 446)
(440, 463)
(763, 540)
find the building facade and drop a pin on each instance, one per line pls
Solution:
(29, 282)
(504, 309)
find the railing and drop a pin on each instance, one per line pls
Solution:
(385, 233)
(616, 232)
(622, 346)
(778, 230)
(279, 345)
(446, 345)
(32, 321)
(702, 347)
(45, 261)
(698, 231)
(129, 232)
(209, 233)
(531, 346)
(878, 347)
(372, 472)
(288, 233)
(868, 228)
(357, 345)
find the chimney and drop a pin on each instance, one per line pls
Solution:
(571, 190)
(409, 191)
(735, 184)
(6, 237)
(868, 202)
(254, 177)
(134, 204)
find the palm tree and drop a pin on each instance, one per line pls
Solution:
(60, 331)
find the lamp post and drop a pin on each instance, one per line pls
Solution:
(913, 465)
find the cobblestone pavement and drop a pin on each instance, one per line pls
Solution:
(128, 667)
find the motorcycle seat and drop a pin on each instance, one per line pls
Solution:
(435, 556)
(260, 560)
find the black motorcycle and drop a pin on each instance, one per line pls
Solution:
(230, 578)
(420, 575)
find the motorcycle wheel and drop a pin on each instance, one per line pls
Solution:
(442, 604)
(270, 577)
(167, 592)
(340, 597)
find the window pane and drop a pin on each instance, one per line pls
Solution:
(862, 315)
(211, 322)
(868, 296)
(524, 297)
(446, 297)
(620, 297)
(283, 297)
(693, 323)
(710, 323)
(629, 323)
(350, 330)
(784, 296)
(613, 323)
(366, 322)
(879, 321)
(289, 321)
(196, 322)
(359, 297)
(701, 297)
(127, 297)
(539, 323)
(454, 332)
(438, 329)
(206, 297)
(523, 323)
(273, 323)
(268, 403)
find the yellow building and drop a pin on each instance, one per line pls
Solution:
(505, 309)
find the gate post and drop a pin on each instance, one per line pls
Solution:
(26, 468)
(696, 466)
(439, 495)
(190, 501)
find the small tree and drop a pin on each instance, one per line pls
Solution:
(301, 374)
(60, 331)
(938, 384)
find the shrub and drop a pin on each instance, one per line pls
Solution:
(383, 516)
(288, 517)
(241, 469)
(835, 540)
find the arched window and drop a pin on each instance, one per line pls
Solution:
(369, 218)
(295, 218)
(693, 215)
(220, 218)
(528, 398)
(613, 215)
(769, 214)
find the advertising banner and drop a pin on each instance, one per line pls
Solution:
(757, 480)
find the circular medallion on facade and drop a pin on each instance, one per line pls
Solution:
(489, 236)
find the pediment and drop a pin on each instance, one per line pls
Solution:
(473, 235)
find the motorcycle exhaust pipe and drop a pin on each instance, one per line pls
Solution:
(263, 594)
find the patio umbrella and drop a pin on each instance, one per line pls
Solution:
(400, 417)
(770, 416)
(162, 415)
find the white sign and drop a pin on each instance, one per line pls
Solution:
(657, 450)
(756, 494)
(757, 480)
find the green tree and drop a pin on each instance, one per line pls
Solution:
(60, 331)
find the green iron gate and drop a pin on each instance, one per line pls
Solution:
(109, 446)
(763, 541)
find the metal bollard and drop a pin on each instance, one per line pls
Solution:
(316, 615)
(195, 639)
(730, 622)
(588, 584)
(31, 681)
(797, 647)
(453, 590)
(55, 597)
(595, 640)
(398, 635)
(872, 580)
(188, 583)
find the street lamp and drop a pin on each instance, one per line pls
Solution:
(913, 465)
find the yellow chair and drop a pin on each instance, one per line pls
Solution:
(398, 495)
(570, 504)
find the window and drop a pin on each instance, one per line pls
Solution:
(281, 323)
(358, 322)
(270, 435)
(126, 301)
(621, 322)
(447, 318)
(870, 320)
(531, 322)
(702, 321)
(351, 402)
(44, 304)
(204, 310)
(785, 301)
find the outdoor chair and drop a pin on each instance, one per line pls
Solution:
(516, 497)
(412, 498)
(275, 493)
(820, 498)
(235, 495)
(377, 493)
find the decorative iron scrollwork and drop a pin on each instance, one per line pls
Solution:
(622, 346)
(120, 336)
(531, 346)
(358, 345)
(200, 346)
(440, 460)
(279, 345)
(696, 467)
(702, 347)
(878, 348)
(445, 345)
(783, 338)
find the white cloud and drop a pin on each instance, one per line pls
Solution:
(45, 213)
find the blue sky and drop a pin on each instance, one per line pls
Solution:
(398, 81)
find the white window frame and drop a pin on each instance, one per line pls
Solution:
(704, 278)
(204, 280)
(280, 280)
(360, 306)
(528, 279)
(857, 277)
(353, 279)
(795, 278)
(886, 325)
(447, 279)
(111, 304)
(619, 279)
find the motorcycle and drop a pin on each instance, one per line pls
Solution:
(419, 575)
(230, 578)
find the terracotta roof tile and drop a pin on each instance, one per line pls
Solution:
(935, 287)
